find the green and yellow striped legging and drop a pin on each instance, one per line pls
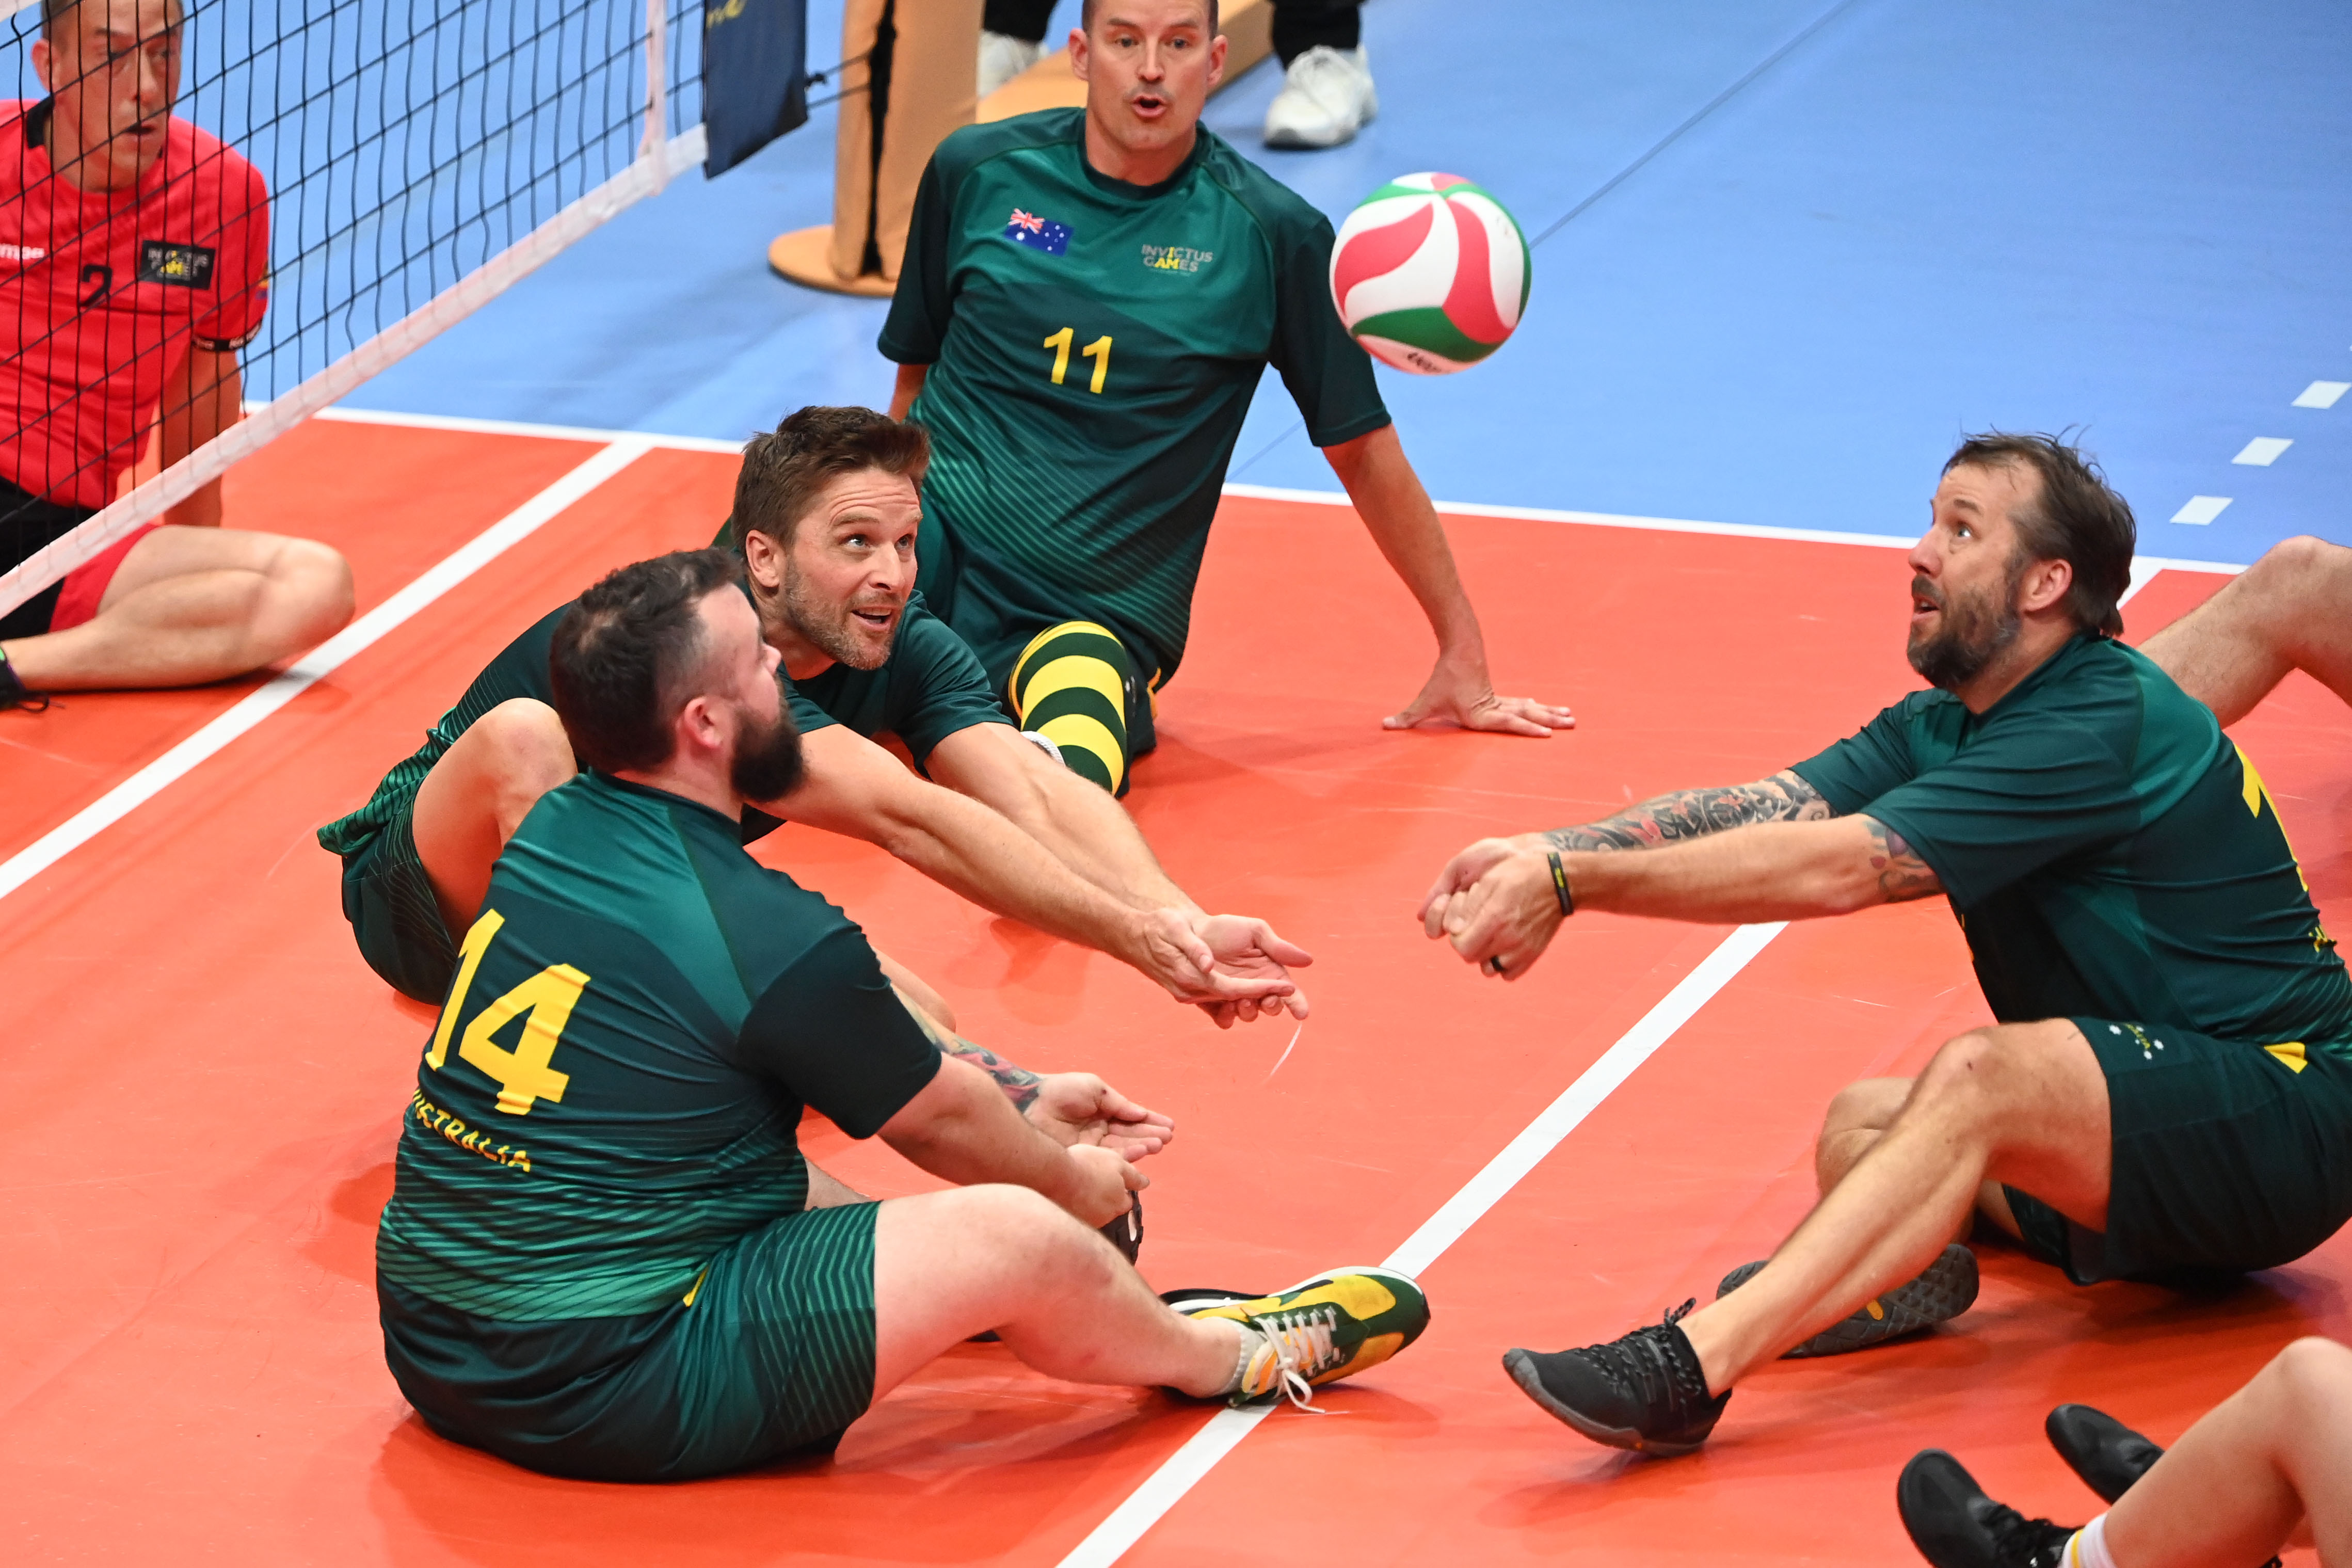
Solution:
(1076, 684)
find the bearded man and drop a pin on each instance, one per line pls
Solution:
(2169, 1088)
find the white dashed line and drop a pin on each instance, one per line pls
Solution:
(2323, 394)
(2262, 452)
(2202, 509)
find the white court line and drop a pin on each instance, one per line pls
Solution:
(1184, 1468)
(437, 580)
(339, 415)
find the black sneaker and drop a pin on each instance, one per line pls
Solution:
(1126, 1232)
(14, 693)
(1955, 1525)
(1946, 1289)
(1644, 1391)
(2107, 1455)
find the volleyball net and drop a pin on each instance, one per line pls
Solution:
(415, 158)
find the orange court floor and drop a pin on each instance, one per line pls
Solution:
(200, 1084)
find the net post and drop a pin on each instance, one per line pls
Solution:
(656, 143)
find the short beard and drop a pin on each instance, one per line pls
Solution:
(767, 763)
(1974, 633)
(832, 635)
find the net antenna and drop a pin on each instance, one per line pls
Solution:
(421, 156)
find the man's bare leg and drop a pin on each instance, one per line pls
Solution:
(2023, 1104)
(1859, 1115)
(2290, 610)
(478, 795)
(948, 1265)
(192, 605)
(2274, 1455)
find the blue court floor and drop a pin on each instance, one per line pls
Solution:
(1786, 252)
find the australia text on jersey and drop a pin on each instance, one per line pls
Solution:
(454, 1128)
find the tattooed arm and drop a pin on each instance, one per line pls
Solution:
(1068, 1107)
(1497, 901)
(1691, 813)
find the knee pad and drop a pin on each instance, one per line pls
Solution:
(1076, 684)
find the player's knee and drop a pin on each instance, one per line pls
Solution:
(1867, 1105)
(2311, 1376)
(1971, 1078)
(312, 586)
(524, 749)
(1074, 684)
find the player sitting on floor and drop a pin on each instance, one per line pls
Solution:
(138, 259)
(2267, 1468)
(2290, 610)
(830, 498)
(2169, 1086)
(599, 1258)
(1088, 300)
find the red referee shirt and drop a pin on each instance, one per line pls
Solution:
(103, 293)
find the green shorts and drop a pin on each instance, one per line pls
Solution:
(389, 902)
(2227, 1158)
(774, 1357)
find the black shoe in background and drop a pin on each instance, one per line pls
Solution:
(1947, 1289)
(1644, 1391)
(2107, 1455)
(1955, 1525)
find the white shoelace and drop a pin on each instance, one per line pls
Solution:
(1306, 1342)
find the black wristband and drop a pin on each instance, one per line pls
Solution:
(1559, 886)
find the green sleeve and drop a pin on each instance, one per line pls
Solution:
(831, 1032)
(937, 685)
(917, 330)
(2025, 792)
(1328, 373)
(1863, 766)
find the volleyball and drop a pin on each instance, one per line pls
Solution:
(1429, 273)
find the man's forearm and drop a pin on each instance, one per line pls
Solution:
(1696, 813)
(1767, 871)
(1092, 834)
(1398, 515)
(1019, 1084)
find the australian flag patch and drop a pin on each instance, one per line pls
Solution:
(1038, 233)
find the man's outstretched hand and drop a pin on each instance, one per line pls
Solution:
(1458, 689)
(1073, 1108)
(1495, 902)
(1232, 967)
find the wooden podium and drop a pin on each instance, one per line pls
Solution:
(917, 76)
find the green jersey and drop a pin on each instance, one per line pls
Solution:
(930, 687)
(2108, 850)
(1093, 349)
(612, 1090)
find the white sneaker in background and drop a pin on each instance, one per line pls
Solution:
(1003, 58)
(1327, 97)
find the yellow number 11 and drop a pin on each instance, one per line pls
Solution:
(522, 1074)
(1098, 351)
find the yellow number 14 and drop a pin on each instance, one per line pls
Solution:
(1098, 351)
(522, 1074)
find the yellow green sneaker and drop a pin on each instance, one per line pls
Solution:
(1319, 1330)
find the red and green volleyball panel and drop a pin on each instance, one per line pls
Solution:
(1430, 272)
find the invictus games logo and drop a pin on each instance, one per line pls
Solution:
(1176, 257)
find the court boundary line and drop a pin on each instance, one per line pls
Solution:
(340, 414)
(1180, 1471)
(259, 704)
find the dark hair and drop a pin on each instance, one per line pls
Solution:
(2077, 518)
(625, 653)
(783, 470)
(1087, 16)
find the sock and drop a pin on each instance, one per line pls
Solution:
(1072, 685)
(1249, 1346)
(2089, 1547)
